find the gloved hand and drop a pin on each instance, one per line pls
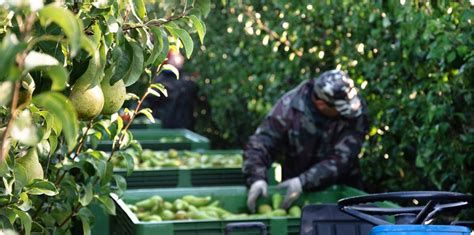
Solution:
(258, 188)
(293, 191)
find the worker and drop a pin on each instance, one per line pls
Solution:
(315, 131)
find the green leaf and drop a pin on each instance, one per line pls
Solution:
(183, 35)
(9, 48)
(39, 61)
(200, 27)
(129, 160)
(88, 45)
(108, 203)
(153, 92)
(164, 52)
(158, 45)
(21, 178)
(25, 219)
(170, 68)
(71, 26)
(139, 6)
(105, 171)
(86, 217)
(40, 187)
(136, 66)
(204, 6)
(88, 195)
(26, 205)
(24, 130)
(160, 87)
(63, 111)
(121, 185)
(147, 113)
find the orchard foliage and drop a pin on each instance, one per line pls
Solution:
(413, 62)
(45, 48)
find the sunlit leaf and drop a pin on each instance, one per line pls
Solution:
(108, 203)
(87, 195)
(39, 187)
(24, 130)
(139, 6)
(87, 218)
(184, 37)
(200, 27)
(71, 26)
(9, 48)
(63, 111)
(157, 46)
(39, 61)
(26, 221)
(204, 6)
(171, 68)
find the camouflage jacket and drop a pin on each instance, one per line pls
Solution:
(319, 150)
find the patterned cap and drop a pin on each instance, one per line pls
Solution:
(336, 88)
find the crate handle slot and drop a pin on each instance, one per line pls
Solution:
(232, 226)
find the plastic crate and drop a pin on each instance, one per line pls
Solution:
(153, 139)
(232, 198)
(193, 177)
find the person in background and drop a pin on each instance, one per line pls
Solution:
(316, 132)
(177, 109)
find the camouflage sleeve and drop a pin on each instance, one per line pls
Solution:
(341, 160)
(261, 148)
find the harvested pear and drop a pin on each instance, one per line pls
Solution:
(264, 209)
(114, 95)
(32, 166)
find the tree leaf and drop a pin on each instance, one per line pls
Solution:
(24, 130)
(170, 68)
(204, 6)
(200, 27)
(157, 46)
(121, 184)
(25, 219)
(9, 48)
(136, 66)
(39, 61)
(86, 217)
(40, 187)
(139, 6)
(70, 25)
(183, 35)
(153, 92)
(88, 195)
(63, 111)
(108, 203)
(129, 160)
(147, 113)
(26, 205)
(160, 87)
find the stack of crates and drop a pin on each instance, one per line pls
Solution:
(222, 183)
(183, 142)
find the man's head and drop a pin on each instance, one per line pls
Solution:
(175, 58)
(337, 90)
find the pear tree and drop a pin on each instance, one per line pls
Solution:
(65, 68)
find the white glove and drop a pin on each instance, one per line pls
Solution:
(293, 191)
(258, 188)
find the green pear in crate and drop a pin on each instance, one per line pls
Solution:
(203, 208)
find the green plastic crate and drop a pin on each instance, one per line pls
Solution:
(150, 139)
(232, 198)
(194, 177)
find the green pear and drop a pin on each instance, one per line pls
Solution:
(88, 101)
(32, 166)
(114, 95)
(86, 95)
